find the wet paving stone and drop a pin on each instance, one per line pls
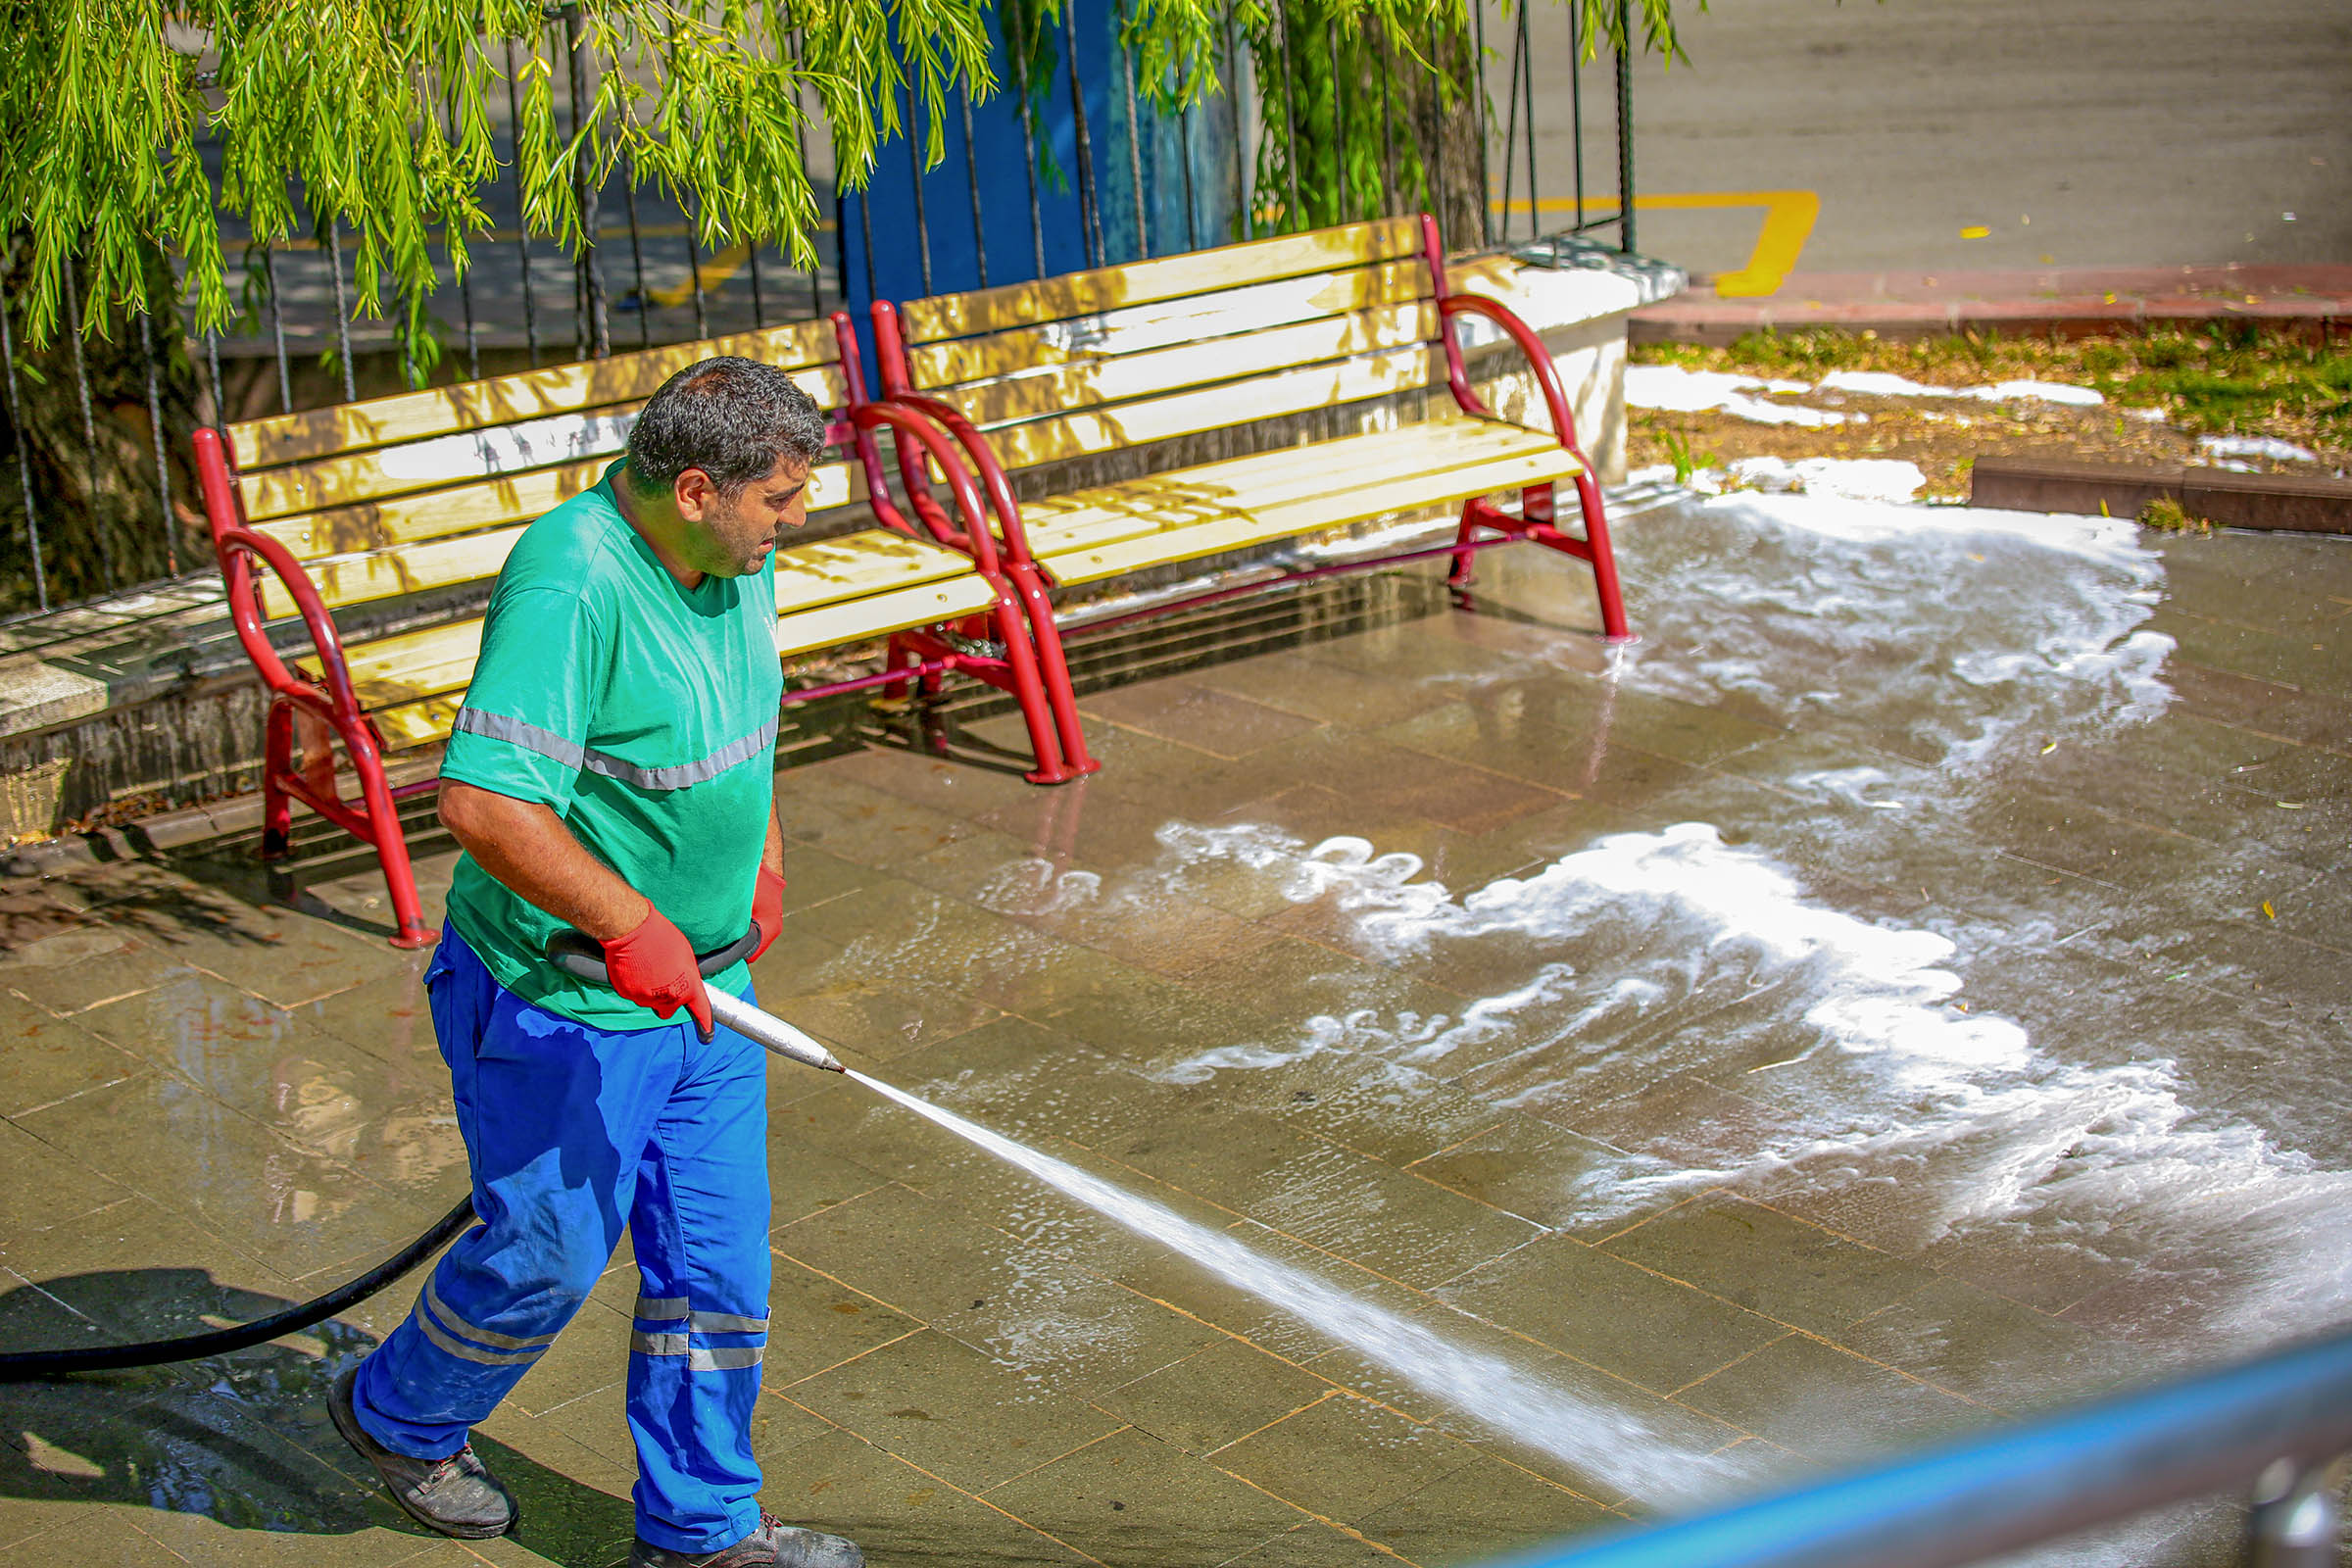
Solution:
(1131, 1498)
(945, 1407)
(1978, 1047)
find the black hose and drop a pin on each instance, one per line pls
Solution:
(27, 1364)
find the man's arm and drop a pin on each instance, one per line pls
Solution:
(526, 845)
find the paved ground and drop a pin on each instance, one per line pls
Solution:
(1906, 991)
(2071, 134)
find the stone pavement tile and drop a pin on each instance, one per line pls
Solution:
(814, 876)
(1134, 1501)
(874, 1022)
(135, 966)
(1203, 1297)
(2260, 706)
(921, 1258)
(2046, 1273)
(1329, 694)
(1385, 783)
(1377, 1216)
(1829, 1404)
(1315, 1545)
(897, 1512)
(1484, 1510)
(1313, 981)
(1769, 1263)
(44, 1060)
(802, 1179)
(943, 1406)
(42, 1185)
(2287, 657)
(1096, 831)
(572, 1503)
(1623, 1319)
(1163, 933)
(1206, 718)
(986, 867)
(1343, 1456)
(1214, 1396)
(1991, 1350)
(815, 1322)
(956, 786)
(1378, 1107)
(1681, 1119)
(1143, 1017)
(1407, 653)
(1528, 1168)
(590, 1354)
(283, 955)
(265, 1064)
(388, 1017)
(137, 1271)
(845, 818)
(1076, 1337)
(1570, 1423)
(102, 1535)
(201, 1538)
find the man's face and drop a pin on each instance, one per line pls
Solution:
(733, 538)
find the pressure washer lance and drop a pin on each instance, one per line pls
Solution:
(581, 956)
(573, 953)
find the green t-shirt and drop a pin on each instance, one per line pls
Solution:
(644, 714)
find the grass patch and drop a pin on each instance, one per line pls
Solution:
(2166, 515)
(2222, 378)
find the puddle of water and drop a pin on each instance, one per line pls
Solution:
(1611, 1444)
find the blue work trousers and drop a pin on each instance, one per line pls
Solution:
(573, 1131)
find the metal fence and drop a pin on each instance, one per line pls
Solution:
(1134, 182)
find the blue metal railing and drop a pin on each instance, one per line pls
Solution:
(2278, 1426)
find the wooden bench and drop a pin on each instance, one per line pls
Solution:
(1124, 358)
(402, 503)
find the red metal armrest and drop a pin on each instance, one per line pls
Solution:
(236, 546)
(975, 541)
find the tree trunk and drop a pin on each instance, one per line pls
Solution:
(97, 502)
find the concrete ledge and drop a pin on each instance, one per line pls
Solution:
(2288, 503)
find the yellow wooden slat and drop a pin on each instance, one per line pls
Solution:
(1109, 289)
(468, 508)
(445, 460)
(1066, 387)
(1243, 486)
(855, 619)
(1190, 319)
(421, 721)
(526, 395)
(1166, 546)
(848, 565)
(1022, 446)
(343, 580)
(879, 582)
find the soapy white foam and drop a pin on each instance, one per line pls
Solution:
(1672, 388)
(1885, 479)
(2255, 446)
(1597, 1436)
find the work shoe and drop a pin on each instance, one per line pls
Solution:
(774, 1544)
(455, 1496)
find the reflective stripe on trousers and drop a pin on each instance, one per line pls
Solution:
(573, 1133)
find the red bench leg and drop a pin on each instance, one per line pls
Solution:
(1604, 558)
(277, 761)
(1054, 667)
(391, 841)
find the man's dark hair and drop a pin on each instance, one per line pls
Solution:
(731, 418)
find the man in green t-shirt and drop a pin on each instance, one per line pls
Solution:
(611, 771)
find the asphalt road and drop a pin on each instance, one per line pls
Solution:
(2074, 132)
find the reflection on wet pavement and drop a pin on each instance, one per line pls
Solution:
(1906, 990)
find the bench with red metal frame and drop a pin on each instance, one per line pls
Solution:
(1128, 357)
(405, 504)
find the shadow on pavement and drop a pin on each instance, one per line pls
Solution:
(243, 1440)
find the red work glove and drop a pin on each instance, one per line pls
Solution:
(768, 908)
(654, 967)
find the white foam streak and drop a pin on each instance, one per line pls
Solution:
(1610, 1443)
